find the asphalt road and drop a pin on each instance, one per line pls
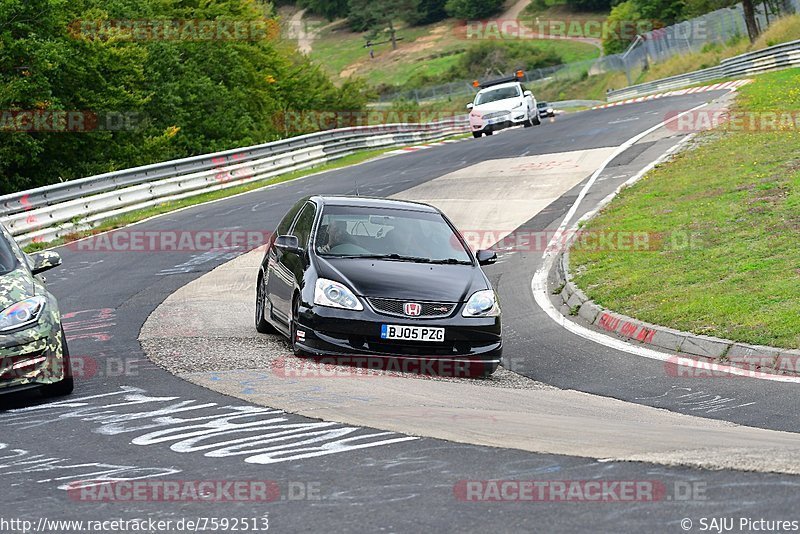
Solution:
(150, 430)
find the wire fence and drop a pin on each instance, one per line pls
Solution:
(691, 36)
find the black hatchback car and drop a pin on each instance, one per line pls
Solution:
(366, 277)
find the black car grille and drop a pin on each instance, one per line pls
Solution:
(395, 307)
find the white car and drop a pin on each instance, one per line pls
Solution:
(501, 104)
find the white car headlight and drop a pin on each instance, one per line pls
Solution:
(482, 304)
(23, 313)
(336, 295)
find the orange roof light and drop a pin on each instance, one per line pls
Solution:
(520, 73)
(476, 83)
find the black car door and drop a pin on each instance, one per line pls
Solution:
(275, 276)
(290, 266)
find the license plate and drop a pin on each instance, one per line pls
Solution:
(412, 333)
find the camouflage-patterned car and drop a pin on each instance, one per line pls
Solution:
(33, 348)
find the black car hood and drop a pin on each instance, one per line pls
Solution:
(404, 280)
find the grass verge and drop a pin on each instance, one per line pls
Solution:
(724, 227)
(429, 53)
(140, 215)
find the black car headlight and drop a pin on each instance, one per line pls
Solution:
(23, 313)
(336, 295)
(482, 304)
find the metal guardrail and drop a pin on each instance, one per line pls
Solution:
(47, 213)
(776, 57)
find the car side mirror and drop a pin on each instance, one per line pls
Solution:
(44, 261)
(486, 257)
(528, 93)
(288, 243)
(470, 105)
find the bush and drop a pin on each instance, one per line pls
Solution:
(497, 57)
(473, 9)
(330, 9)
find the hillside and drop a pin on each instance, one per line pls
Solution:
(430, 54)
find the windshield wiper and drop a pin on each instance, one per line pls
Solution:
(390, 257)
(451, 261)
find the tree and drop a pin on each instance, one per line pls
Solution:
(379, 15)
(750, 19)
(589, 5)
(426, 12)
(660, 13)
(623, 13)
(180, 97)
(473, 9)
(330, 9)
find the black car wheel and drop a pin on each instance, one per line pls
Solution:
(489, 132)
(476, 135)
(67, 384)
(262, 326)
(537, 121)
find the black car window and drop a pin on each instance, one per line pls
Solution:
(366, 231)
(288, 219)
(498, 94)
(304, 223)
(8, 261)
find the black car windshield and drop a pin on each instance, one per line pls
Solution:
(541, 105)
(498, 94)
(8, 262)
(390, 234)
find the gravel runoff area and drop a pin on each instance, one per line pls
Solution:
(265, 352)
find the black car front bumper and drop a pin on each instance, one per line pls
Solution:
(468, 341)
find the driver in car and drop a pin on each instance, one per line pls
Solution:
(337, 235)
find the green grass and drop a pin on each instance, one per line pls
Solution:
(430, 51)
(140, 215)
(728, 261)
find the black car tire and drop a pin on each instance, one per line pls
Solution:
(537, 121)
(476, 135)
(488, 370)
(489, 132)
(527, 123)
(262, 325)
(67, 384)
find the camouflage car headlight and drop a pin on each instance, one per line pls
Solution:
(22, 314)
